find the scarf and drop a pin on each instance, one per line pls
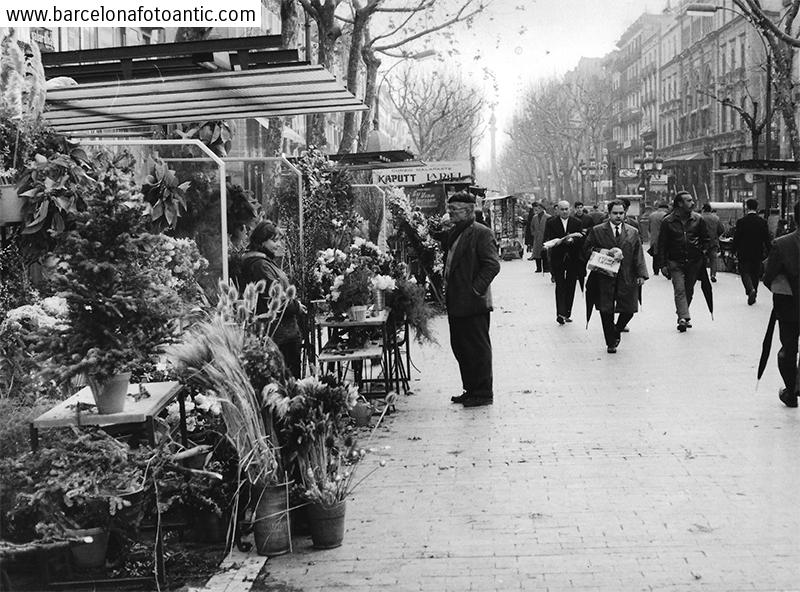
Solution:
(456, 231)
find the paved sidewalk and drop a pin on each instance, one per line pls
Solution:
(658, 468)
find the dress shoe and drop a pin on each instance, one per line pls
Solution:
(789, 399)
(751, 298)
(612, 349)
(624, 330)
(459, 398)
(713, 279)
(688, 324)
(567, 319)
(477, 401)
(560, 320)
(682, 325)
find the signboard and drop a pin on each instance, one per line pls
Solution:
(430, 200)
(432, 171)
(658, 179)
(43, 37)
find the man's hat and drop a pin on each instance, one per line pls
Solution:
(461, 197)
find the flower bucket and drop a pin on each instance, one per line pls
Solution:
(10, 205)
(380, 299)
(89, 555)
(271, 521)
(357, 313)
(110, 394)
(327, 525)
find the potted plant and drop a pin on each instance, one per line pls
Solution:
(381, 284)
(121, 305)
(311, 415)
(218, 355)
(74, 487)
(351, 293)
(21, 105)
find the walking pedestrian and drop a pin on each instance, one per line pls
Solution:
(619, 293)
(682, 243)
(471, 263)
(630, 220)
(655, 219)
(563, 232)
(583, 217)
(535, 234)
(716, 228)
(751, 242)
(782, 277)
(259, 263)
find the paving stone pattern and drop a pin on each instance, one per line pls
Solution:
(657, 468)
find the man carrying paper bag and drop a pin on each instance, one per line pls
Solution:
(617, 270)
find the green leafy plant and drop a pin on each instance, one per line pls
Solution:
(121, 305)
(165, 194)
(351, 289)
(407, 301)
(78, 480)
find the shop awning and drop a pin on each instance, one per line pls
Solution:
(767, 168)
(681, 158)
(278, 91)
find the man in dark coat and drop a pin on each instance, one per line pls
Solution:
(620, 293)
(565, 236)
(534, 235)
(782, 277)
(655, 219)
(751, 242)
(471, 264)
(682, 244)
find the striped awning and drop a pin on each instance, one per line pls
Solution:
(291, 90)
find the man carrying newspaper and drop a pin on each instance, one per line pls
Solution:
(617, 270)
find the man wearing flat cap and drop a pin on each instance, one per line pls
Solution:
(470, 266)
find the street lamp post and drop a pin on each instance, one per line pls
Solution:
(590, 171)
(646, 167)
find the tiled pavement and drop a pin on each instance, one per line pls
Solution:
(658, 468)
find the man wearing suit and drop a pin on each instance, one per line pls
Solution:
(470, 266)
(534, 233)
(566, 264)
(783, 267)
(620, 293)
(751, 241)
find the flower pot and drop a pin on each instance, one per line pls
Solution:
(357, 313)
(327, 525)
(380, 299)
(10, 205)
(89, 555)
(361, 413)
(271, 522)
(110, 394)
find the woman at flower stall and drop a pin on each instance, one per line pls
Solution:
(259, 263)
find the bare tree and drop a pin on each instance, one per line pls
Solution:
(783, 40)
(442, 111)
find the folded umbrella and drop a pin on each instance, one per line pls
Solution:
(708, 291)
(766, 345)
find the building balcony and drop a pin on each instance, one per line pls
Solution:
(630, 114)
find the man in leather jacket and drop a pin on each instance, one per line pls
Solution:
(683, 241)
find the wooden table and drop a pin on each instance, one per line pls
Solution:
(143, 403)
(383, 350)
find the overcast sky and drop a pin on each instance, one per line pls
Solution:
(519, 41)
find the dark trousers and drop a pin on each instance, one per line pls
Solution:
(611, 329)
(566, 278)
(469, 340)
(750, 271)
(291, 351)
(538, 261)
(787, 356)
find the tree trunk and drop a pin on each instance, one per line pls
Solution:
(328, 33)
(373, 63)
(783, 61)
(353, 62)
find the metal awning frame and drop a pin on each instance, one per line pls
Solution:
(283, 91)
